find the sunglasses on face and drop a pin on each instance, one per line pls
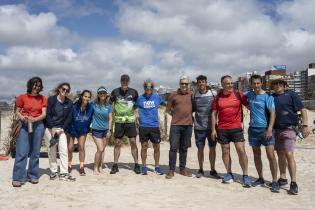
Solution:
(65, 90)
(148, 87)
(182, 83)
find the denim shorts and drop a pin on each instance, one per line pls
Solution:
(201, 136)
(256, 137)
(285, 140)
(99, 133)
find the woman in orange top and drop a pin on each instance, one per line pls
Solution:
(31, 110)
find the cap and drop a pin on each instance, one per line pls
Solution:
(101, 89)
(125, 77)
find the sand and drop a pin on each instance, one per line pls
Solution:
(126, 190)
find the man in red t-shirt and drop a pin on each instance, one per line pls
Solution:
(228, 107)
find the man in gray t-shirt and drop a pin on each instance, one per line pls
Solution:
(202, 101)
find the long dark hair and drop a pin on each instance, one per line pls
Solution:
(56, 90)
(79, 102)
(31, 82)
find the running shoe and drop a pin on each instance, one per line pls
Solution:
(228, 178)
(144, 170)
(137, 168)
(200, 173)
(53, 175)
(82, 172)
(158, 170)
(275, 187)
(215, 174)
(66, 177)
(293, 189)
(16, 184)
(114, 169)
(282, 182)
(246, 181)
(258, 182)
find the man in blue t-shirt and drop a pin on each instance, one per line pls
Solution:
(287, 105)
(260, 131)
(148, 104)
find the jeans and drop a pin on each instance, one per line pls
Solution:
(52, 153)
(28, 144)
(180, 140)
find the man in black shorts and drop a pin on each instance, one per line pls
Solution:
(148, 105)
(124, 99)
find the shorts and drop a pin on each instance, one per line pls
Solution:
(201, 136)
(99, 133)
(125, 129)
(256, 137)
(152, 134)
(231, 135)
(285, 140)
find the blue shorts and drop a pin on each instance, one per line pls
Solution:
(201, 136)
(256, 137)
(99, 133)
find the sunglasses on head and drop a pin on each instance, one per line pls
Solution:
(65, 90)
(102, 93)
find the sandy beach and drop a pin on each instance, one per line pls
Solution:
(126, 190)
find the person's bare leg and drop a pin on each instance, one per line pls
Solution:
(282, 164)
(117, 150)
(144, 148)
(226, 157)
(70, 141)
(257, 161)
(200, 155)
(100, 167)
(272, 162)
(242, 156)
(291, 165)
(134, 149)
(212, 157)
(81, 141)
(98, 155)
(156, 148)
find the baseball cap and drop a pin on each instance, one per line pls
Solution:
(101, 89)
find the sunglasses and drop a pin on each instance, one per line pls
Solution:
(65, 90)
(148, 87)
(182, 83)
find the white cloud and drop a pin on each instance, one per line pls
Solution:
(159, 39)
(18, 27)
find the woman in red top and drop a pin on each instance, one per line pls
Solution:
(31, 110)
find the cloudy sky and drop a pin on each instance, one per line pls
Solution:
(92, 42)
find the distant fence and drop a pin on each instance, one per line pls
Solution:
(309, 104)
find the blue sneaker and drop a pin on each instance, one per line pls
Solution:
(258, 182)
(246, 181)
(275, 187)
(228, 178)
(144, 170)
(158, 170)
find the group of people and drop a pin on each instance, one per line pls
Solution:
(218, 117)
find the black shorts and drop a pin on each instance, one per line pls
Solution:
(230, 135)
(152, 134)
(125, 129)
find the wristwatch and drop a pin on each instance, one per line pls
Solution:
(305, 126)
